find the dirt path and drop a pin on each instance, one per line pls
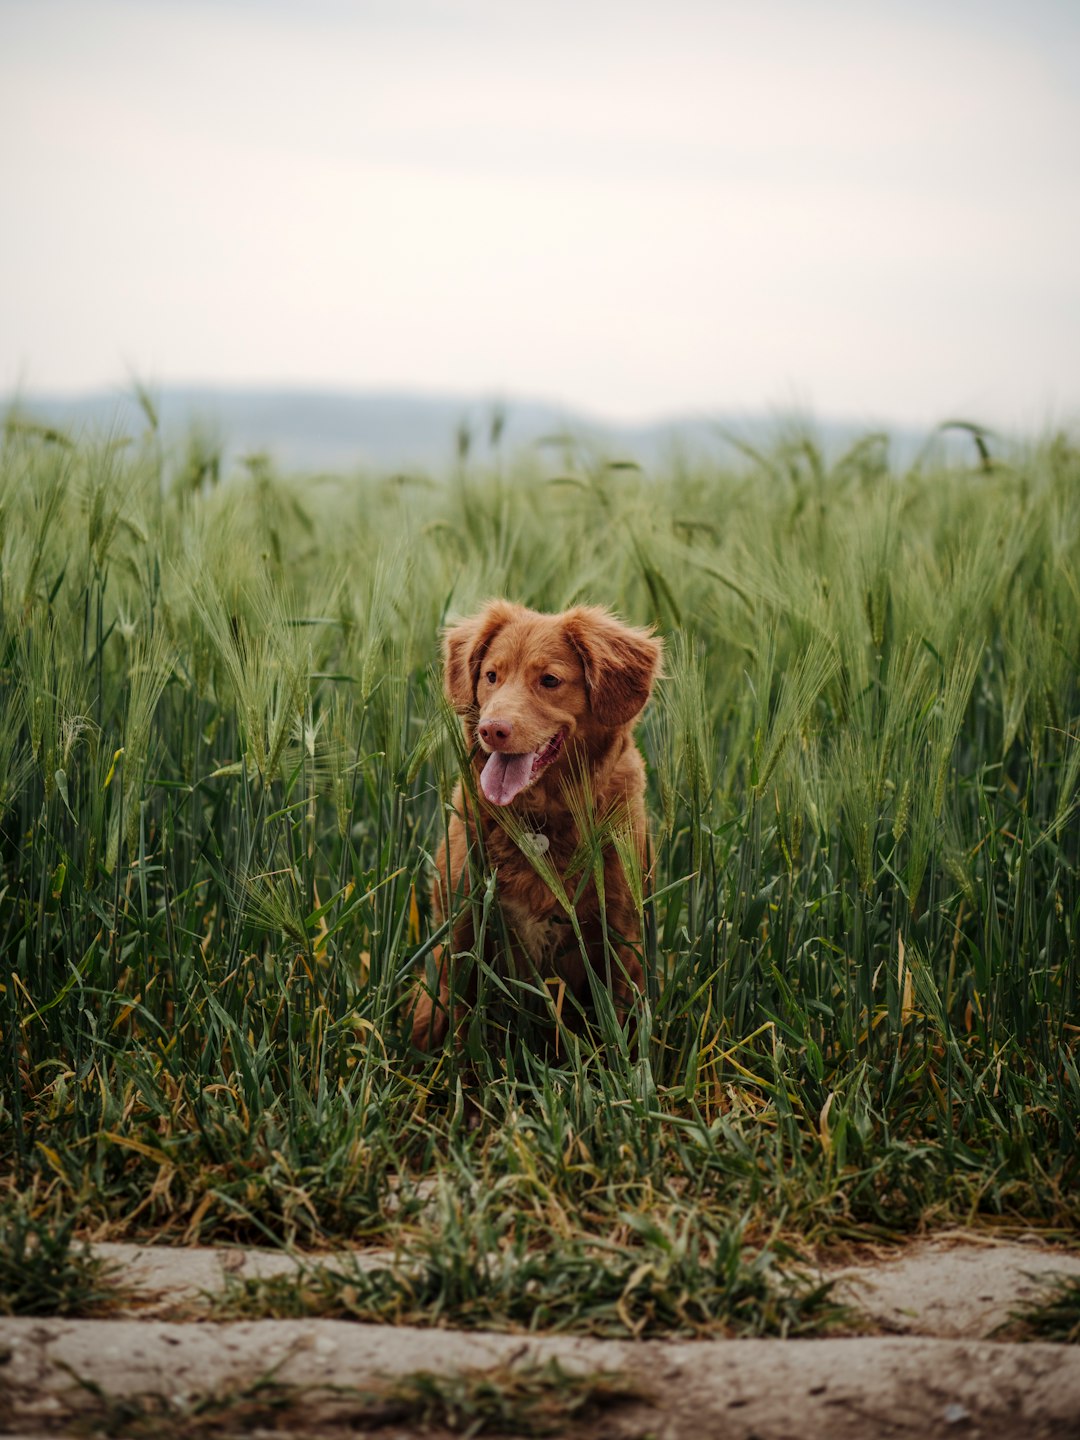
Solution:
(936, 1371)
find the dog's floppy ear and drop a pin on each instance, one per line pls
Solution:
(620, 662)
(464, 645)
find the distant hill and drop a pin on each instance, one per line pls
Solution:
(304, 431)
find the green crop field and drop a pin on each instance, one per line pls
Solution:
(224, 769)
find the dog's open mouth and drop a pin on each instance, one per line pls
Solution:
(505, 776)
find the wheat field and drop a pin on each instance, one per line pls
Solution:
(224, 769)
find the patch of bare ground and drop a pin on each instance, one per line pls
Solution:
(959, 1285)
(937, 1371)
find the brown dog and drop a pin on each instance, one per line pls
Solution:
(548, 705)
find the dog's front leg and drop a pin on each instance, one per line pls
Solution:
(453, 990)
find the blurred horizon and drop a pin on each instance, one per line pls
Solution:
(847, 210)
(311, 430)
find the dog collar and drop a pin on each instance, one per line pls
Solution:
(536, 841)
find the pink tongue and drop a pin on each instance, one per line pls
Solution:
(505, 776)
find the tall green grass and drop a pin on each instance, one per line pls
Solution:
(225, 765)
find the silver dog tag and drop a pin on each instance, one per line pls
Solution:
(536, 842)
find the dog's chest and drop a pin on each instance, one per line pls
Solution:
(541, 935)
(532, 913)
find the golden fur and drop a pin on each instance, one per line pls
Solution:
(556, 697)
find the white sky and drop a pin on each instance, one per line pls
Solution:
(865, 208)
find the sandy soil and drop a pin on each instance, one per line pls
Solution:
(936, 1370)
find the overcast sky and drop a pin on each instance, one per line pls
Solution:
(867, 210)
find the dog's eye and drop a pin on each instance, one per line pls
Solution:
(550, 682)
(491, 677)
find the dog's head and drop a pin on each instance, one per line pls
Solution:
(529, 684)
